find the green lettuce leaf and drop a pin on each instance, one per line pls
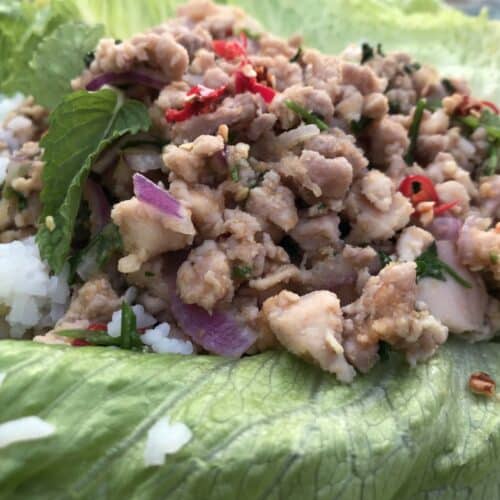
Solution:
(79, 128)
(268, 426)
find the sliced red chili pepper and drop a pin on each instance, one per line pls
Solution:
(245, 83)
(80, 343)
(202, 100)
(97, 327)
(229, 49)
(418, 188)
(441, 209)
(492, 106)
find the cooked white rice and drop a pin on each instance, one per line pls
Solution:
(163, 439)
(24, 429)
(144, 320)
(159, 340)
(32, 297)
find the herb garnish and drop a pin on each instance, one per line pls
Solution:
(411, 68)
(307, 116)
(235, 173)
(297, 55)
(242, 272)
(148, 274)
(448, 86)
(385, 259)
(10, 193)
(88, 58)
(413, 132)
(494, 258)
(368, 52)
(360, 125)
(429, 265)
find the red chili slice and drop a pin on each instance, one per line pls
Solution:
(441, 209)
(229, 49)
(492, 106)
(97, 327)
(203, 101)
(418, 188)
(80, 343)
(245, 83)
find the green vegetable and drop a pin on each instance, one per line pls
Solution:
(494, 258)
(358, 126)
(235, 173)
(266, 426)
(411, 68)
(449, 87)
(306, 116)
(493, 162)
(149, 274)
(248, 33)
(52, 75)
(242, 272)
(367, 52)
(94, 338)
(413, 132)
(9, 193)
(385, 259)
(297, 56)
(80, 127)
(429, 265)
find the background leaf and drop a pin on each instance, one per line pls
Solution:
(268, 426)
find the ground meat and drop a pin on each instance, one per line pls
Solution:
(273, 202)
(316, 233)
(189, 161)
(386, 311)
(378, 189)
(375, 106)
(479, 246)
(451, 191)
(361, 77)
(350, 106)
(412, 242)
(489, 196)
(205, 277)
(310, 327)
(387, 138)
(147, 232)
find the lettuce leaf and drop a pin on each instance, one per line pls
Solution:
(79, 128)
(267, 426)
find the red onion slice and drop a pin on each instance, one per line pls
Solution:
(445, 228)
(219, 333)
(98, 203)
(152, 194)
(126, 77)
(143, 159)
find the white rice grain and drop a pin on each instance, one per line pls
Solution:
(159, 340)
(24, 429)
(144, 320)
(163, 439)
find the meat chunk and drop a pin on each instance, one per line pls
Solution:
(319, 232)
(386, 311)
(362, 77)
(333, 176)
(451, 191)
(387, 138)
(205, 277)
(310, 327)
(459, 308)
(147, 232)
(273, 202)
(206, 206)
(479, 246)
(189, 161)
(94, 302)
(369, 223)
(413, 242)
(378, 190)
(489, 196)
(375, 106)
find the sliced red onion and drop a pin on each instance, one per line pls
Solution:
(98, 204)
(445, 228)
(127, 77)
(143, 159)
(152, 194)
(219, 333)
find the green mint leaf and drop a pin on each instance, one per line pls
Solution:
(235, 173)
(79, 128)
(385, 259)
(413, 132)
(242, 272)
(52, 75)
(306, 116)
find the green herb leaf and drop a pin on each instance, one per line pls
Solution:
(235, 173)
(9, 193)
(242, 272)
(411, 68)
(94, 338)
(80, 127)
(129, 338)
(494, 257)
(306, 116)
(493, 162)
(413, 132)
(429, 265)
(385, 259)
(297, 56)
(52, 75)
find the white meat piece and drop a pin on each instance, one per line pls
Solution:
(412, 242)
(451, 191)
(310, 327)
(318, 232)
(387, 138)
(147, 232)
(489, 196)
(378, 190)
(460, 309)
(362, 77)
(204, 278)
(479, 246)
(375, 106)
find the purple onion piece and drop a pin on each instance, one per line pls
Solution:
(152, 194)
(127, 77)
(143, 160)
(98, 204)
(219, 333)
(445, 228)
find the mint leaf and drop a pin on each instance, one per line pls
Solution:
(79, 128)
(52, 75)
(267, 426)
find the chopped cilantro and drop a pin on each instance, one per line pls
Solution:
(385, 259)
(242, 272)
(297, 55)
(358, 126)
(413, 132)
(411, 68)
(429, 265)
(307, 116)
(235, 173)
(367, 52)
(380, 52)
